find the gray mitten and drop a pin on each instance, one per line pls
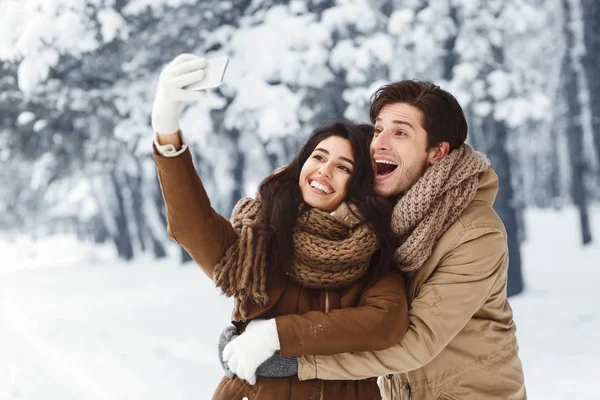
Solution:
(275, 366)
(278, 367)
(227, 336)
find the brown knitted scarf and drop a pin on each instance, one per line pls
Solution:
(432, 204)
(331, 250)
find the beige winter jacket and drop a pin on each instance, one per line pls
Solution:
(461, 342)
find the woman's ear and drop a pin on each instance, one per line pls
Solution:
(437, 152)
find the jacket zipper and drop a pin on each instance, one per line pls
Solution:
(326, 311)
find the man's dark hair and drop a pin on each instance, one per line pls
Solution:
(443, 118)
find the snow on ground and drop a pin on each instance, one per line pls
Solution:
(558, 316)
(107, 330)
(77, 324)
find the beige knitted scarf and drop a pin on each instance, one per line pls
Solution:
(331, 250)
(432, 204)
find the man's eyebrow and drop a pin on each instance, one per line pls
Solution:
(341, 158)
(398, 122)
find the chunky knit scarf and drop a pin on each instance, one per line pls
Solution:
(432, 204)
(331, 250)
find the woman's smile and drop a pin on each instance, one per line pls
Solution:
(320, 187)
(325, 174)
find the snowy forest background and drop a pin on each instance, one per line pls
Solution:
(77, 80)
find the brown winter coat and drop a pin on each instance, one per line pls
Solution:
(371, 317)
(461, 342)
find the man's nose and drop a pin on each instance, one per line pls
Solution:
(381, 142)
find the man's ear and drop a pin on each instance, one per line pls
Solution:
(437, 152)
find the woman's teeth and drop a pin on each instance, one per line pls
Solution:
(320, 187)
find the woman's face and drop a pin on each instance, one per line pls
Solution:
(326, 172)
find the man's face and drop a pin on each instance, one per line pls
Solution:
(399, 149)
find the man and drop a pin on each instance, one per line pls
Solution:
(452, 246)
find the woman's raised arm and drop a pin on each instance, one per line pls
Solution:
(191, 220)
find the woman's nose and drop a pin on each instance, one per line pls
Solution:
(325, 170)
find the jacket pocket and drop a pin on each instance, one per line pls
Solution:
(393, 387)
(444, 396)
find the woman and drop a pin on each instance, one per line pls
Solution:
(315, 239)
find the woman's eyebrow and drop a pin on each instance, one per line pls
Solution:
(347, 160)
(341, 157)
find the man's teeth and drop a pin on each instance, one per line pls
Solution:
(320, 187)
(385, 162)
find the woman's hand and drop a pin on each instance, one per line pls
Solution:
(245, 353)
(184, 70)
(275, 366)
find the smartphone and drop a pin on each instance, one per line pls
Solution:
(213, 74)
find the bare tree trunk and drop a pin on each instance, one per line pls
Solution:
(238, 176)
(121, 237)
(451, 58)
(553, 160)
(144, 212)
(155, 210)
(137, 210)
(591, 63)
(574, 125)
(496, 134)
(98, 231)
(494, 137)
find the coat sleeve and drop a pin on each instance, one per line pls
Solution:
(376, 323)
(456, 290)
(191, 221)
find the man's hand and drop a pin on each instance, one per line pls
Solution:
(184, 70)
(228, 334)
(245, 353)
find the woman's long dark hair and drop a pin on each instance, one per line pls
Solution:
(282, 199)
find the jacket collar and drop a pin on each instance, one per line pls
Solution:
(488, 187)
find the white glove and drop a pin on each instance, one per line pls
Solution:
(184, 70)
(247, 352)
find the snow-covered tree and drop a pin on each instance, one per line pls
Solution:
(572, 78)
(78, 79)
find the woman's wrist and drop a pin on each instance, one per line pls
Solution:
(174, 139)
